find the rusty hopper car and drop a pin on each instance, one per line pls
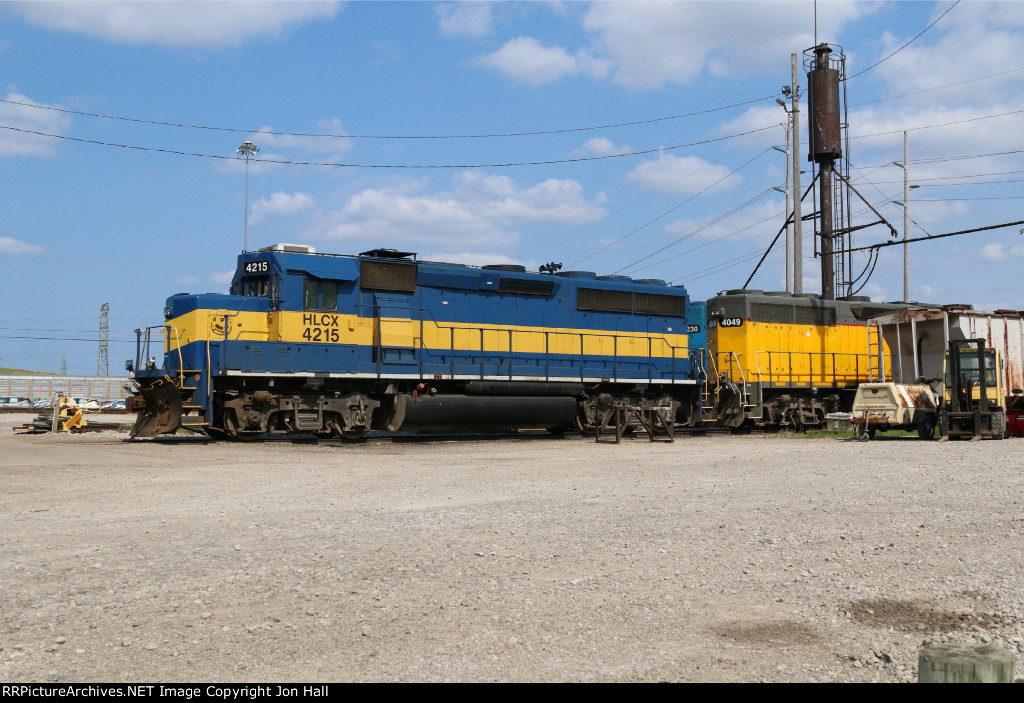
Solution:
(310, 343)
(788, 360)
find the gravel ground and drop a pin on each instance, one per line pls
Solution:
(719, 558)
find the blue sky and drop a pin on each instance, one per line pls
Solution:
(85, 224)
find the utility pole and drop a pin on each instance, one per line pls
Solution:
(103, 364)
(798, 231)
(906, 219)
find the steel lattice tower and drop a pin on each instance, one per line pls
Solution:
(103, 364)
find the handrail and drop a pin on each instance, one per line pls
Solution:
(426, 314)
(809, 376)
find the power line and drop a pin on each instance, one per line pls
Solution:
(934, 236)
(943, 200)
(938, 87)
(637, 202)
(933, 126)
(384, 136)
(695, 232)
(942, 159)
(939, 159)
(65, 339)
(953, 178)
(387, 166)
(673, 209)
(907, 44)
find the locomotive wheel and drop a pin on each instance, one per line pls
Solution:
(584, 427)
(353, 435)
(232, 431)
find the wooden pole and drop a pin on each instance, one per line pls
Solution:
(965, 663)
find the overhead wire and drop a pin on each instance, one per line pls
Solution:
(943, 159)
(696, 231)
(674, 208)
(388, 136)
(934, 126)
(912, 40)
(939, 87)
(644, 198)
(389, 166)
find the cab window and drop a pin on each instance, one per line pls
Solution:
(319, 295)
(969, 368)
(254, 287)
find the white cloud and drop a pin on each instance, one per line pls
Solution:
(279, 203)
(35, 119)
(471, 258)
(976, 39)
(761, 116)
(172, 23)
(14, 247)
(526, 60)
(600, 146)
(680, 174)
(479, 211)
(653, 43)
(465, 19)
(188, 280)
(876, 292)
(329, 138)
(758, 223)
(997, 252)
(327, 143)
(223, 278)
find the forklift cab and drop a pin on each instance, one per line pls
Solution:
(972, 403)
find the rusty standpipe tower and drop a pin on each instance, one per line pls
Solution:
(825, 147)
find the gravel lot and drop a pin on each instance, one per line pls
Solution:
(719, 558)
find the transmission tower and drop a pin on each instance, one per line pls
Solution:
(64, 365)
(103, 364)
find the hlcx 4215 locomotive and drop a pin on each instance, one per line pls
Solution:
(310, 343)
(326, 344)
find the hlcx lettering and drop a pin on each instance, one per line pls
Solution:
(322, 320)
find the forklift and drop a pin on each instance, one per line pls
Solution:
(972, 404)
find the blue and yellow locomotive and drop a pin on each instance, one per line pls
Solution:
(309, 343)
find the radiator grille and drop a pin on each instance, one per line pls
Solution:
(816, 316)
(624, 301)
(772, 313)
(654, 304)
(386, 275)
(598, 299)
(525, 285)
